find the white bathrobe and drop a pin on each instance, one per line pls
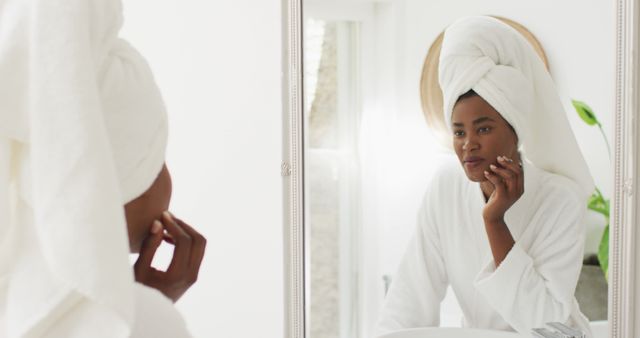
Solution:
(534, 284)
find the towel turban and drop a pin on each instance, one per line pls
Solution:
(486, 55)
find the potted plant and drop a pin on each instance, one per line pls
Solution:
(597, 202)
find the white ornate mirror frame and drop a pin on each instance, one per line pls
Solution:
(624, 297)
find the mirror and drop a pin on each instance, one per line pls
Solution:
(367, 121)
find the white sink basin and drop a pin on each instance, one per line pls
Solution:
(451, 332)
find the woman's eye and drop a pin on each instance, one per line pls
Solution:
(458, 133)
(484, 130)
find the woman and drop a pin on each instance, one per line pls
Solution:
(83, 133)
(503, 224)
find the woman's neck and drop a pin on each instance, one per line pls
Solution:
(487, 187)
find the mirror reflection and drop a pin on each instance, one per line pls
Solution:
(456, 166)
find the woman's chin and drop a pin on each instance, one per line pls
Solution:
(135, 246)
(476, 176)
(134, 249)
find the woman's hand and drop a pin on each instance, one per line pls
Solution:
(185, 263)
(508, 180)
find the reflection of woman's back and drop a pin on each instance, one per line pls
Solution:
(504, 231)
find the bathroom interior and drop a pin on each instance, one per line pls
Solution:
(370, 152)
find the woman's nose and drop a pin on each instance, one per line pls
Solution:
(469, 144)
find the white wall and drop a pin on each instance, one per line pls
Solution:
(218, 66)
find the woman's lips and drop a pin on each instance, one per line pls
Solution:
(473, 163)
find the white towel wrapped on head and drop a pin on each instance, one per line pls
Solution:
(135, 119)
(486, 55)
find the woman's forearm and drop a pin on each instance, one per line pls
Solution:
(500, 239)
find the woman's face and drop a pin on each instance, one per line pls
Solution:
(142, 211)
(480, 135)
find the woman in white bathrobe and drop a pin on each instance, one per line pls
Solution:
(83, 135)
(505, 234)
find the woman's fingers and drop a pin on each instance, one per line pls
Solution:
(148, 249)
(187, 256)
(505, 175)
(510, 172)
(168, 238)
(198, 246)
(495, 180)
(516, 168)
(510, 165)
(182, 241)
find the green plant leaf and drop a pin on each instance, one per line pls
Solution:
(598, 192)
(595, 201)
(603, 252)
(598, 204)
(585, 112)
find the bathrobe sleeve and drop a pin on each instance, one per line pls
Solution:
(535, 284)
(6, 245)
(155, 316)
(420, 284)
(14, 75)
